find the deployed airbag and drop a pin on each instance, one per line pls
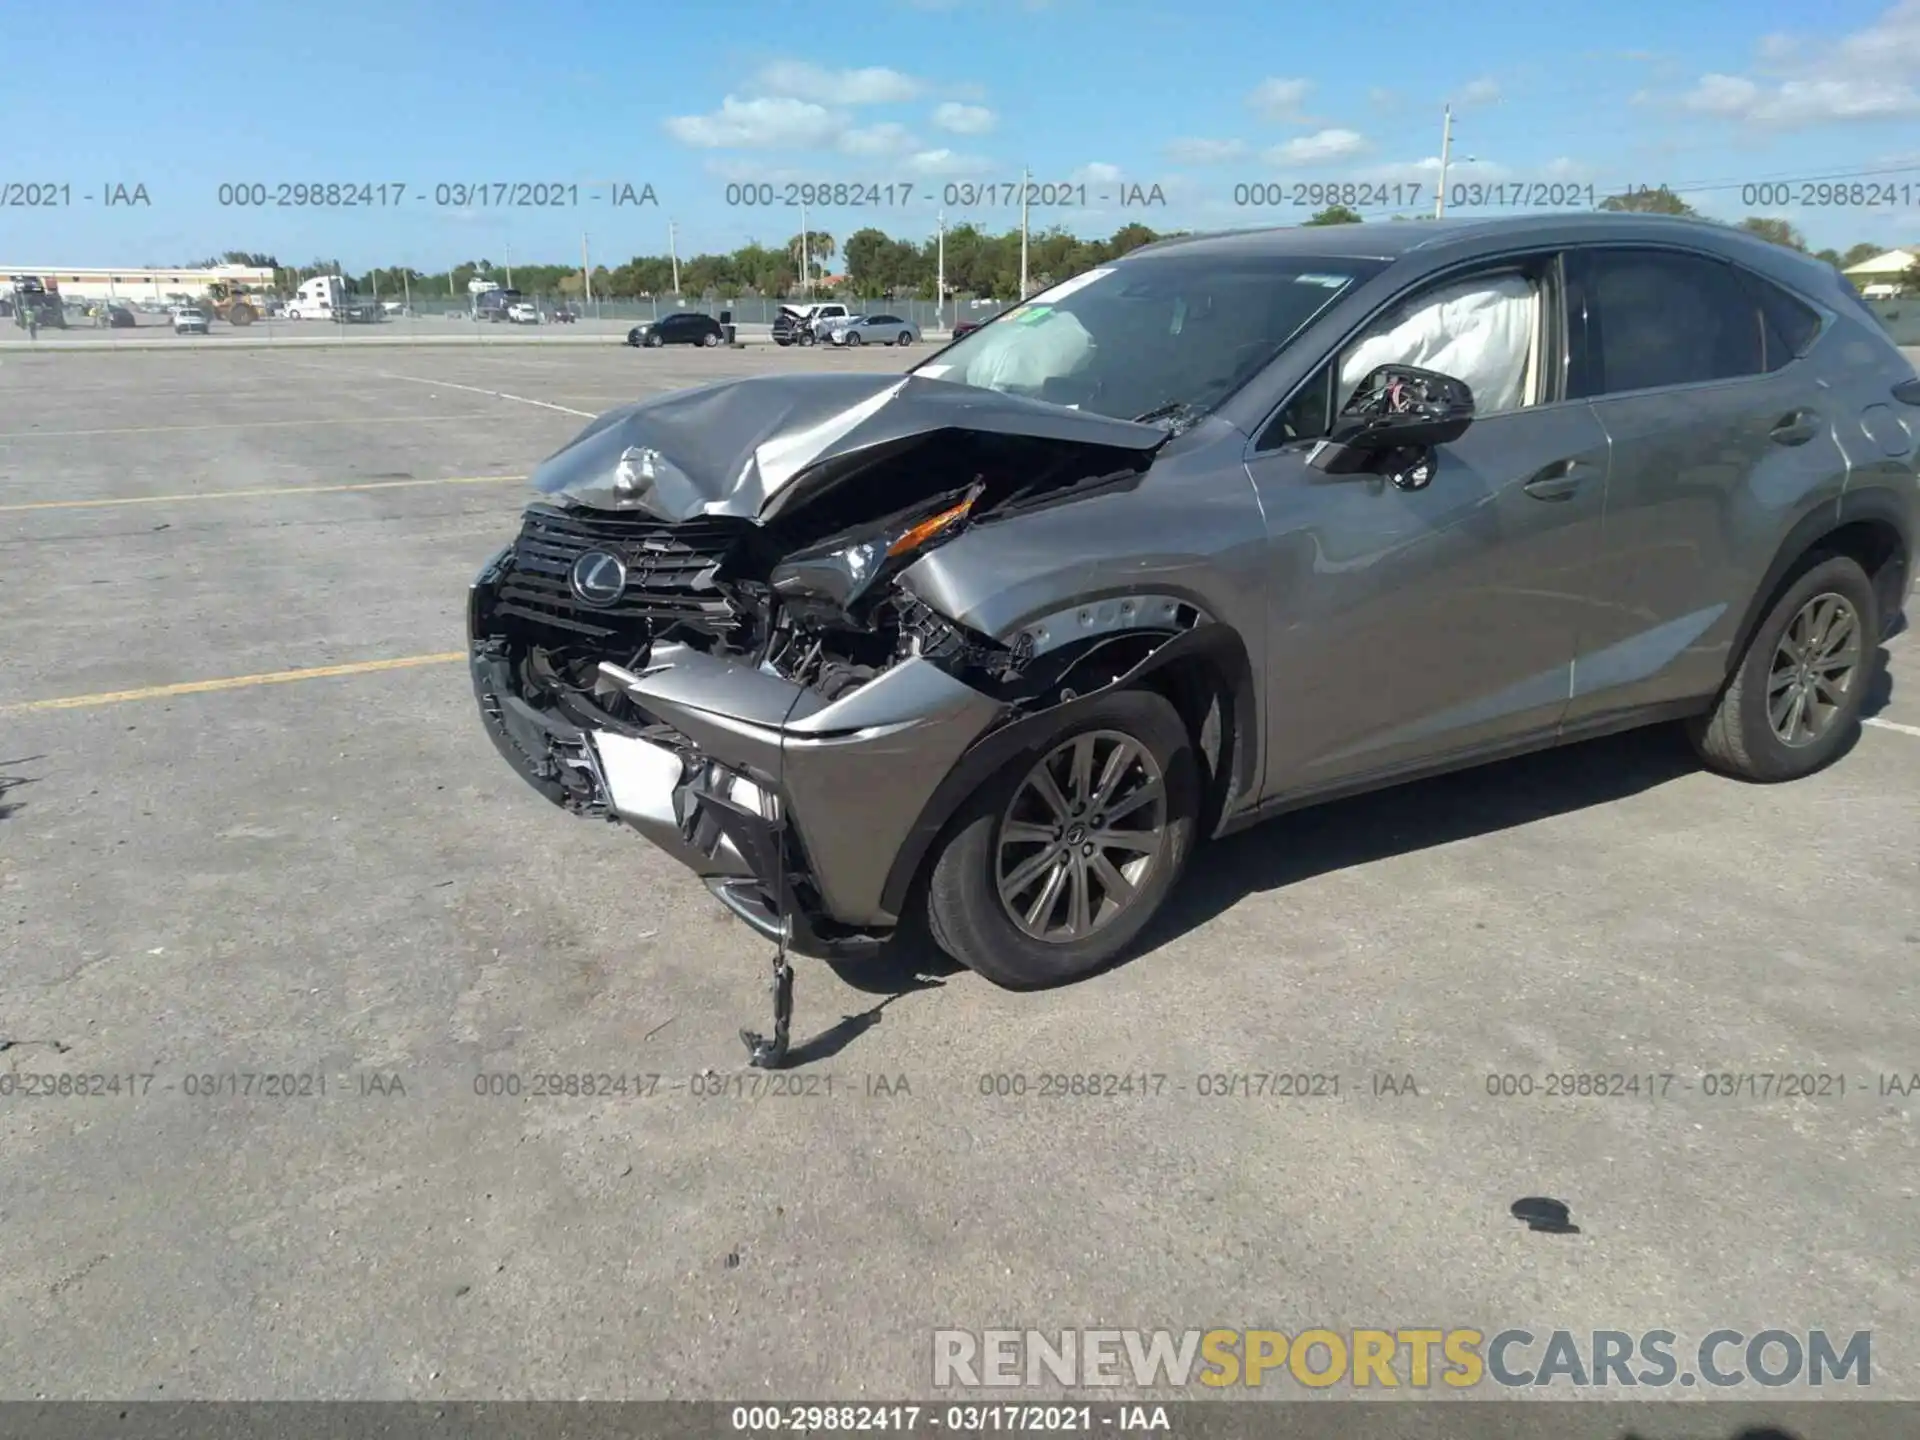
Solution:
(1480, 331)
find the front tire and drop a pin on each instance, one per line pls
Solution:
(1057, 864)
(1794, 702)
(654, 342)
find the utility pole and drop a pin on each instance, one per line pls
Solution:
(586, 275)
(1446, 151)
(806, 264)
(1023, 233)
(509, 267)
(673, 253)
(940, 276)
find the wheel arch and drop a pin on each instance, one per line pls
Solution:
(1205, 673)
(1870, 526)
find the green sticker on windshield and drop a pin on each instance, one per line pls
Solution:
(1034, 314)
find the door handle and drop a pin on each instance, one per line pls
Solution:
(1796, 427)
(1557, 481)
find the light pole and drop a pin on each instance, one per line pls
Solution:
(673, 254)
(940, 277)
(1023, 233)
(1446, 150)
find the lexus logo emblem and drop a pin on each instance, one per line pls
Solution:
(599, 578)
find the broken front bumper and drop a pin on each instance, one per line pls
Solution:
(791, 808)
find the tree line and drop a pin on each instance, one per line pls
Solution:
(879, 266)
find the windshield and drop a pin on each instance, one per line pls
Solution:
(1151, 335)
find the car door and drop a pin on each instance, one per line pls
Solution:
(1720, 443)
(1408, 627)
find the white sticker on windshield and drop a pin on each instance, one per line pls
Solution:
(1332, 282)
(933, 372)
(1078, 282)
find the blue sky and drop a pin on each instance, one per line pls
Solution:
(1195, 97)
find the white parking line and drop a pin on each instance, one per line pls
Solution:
(1893, 725)
(496, 394)
(474, 390)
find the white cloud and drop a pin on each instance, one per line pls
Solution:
(885, 139)
(1478, 92)
(1865, 75)
(1319, 148)
(1098, 173)
(1279, 99)
(765, 123)
(1382, 98)
(964, 119)
(1205, 152)
(1792, 103)
(804, 80)
(947, 162)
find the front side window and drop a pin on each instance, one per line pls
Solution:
(1484, 330)
(1663, 318)
(1152, 333)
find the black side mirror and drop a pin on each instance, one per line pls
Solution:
(1400, 407)
(1392, 423)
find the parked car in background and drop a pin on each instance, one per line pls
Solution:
(564, 315)
(966, 327)
(523, 312)
(807, 324)
(1242, 523)
(874, 330)
(687, 328)
(189, 320)
(115, 317)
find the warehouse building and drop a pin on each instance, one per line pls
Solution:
(138, 285)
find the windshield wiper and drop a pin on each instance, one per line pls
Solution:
(1175, 410)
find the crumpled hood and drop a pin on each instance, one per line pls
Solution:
(758, 446)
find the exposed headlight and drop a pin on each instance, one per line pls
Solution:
(841, 570)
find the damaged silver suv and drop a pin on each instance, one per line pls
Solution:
(1236, 524)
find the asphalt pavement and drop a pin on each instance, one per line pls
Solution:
(250, 826)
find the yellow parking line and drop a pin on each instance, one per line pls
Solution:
(6, 435)
(253, 494)
(233, 682)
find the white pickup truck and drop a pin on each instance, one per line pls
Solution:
(808, 324)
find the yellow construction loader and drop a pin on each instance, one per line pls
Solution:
(233, 302)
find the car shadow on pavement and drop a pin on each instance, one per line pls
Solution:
(1418, 816)
(1880, 692)
(10, 783)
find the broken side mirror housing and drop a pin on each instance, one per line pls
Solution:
(1398, 408)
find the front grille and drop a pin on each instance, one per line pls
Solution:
(670, 569)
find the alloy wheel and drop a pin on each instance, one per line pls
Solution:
(1081, 836)
(1814, 668)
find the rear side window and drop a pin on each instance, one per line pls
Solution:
(1791, 324)
(1661, 318)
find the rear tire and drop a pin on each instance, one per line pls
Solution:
(1004, 834)
(1794, 702)
(710, 340)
